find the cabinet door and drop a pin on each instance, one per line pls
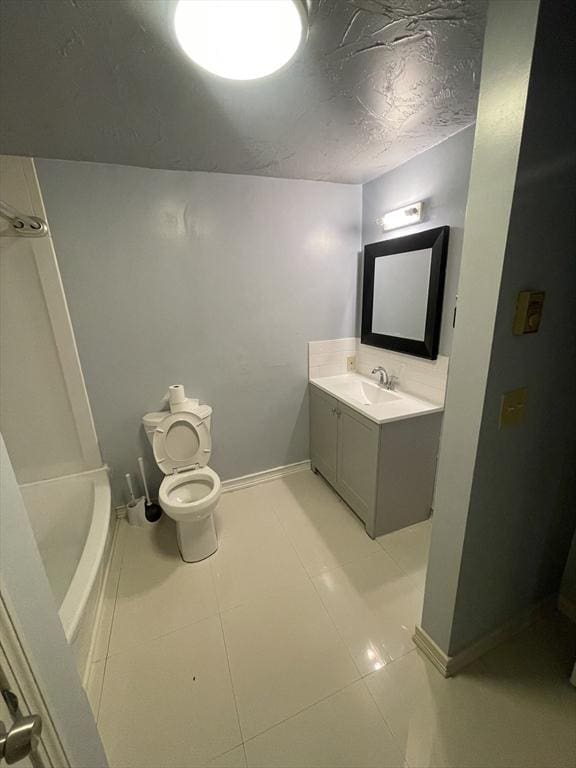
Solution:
(323, 433)
(358, 462)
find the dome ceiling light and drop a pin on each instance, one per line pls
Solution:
(240, 39)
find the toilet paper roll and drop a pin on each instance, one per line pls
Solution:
(176, 395)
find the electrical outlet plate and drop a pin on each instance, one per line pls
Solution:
(351, 362)
(513, 407)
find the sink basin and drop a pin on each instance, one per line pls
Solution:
(376, 403)
(365, 393)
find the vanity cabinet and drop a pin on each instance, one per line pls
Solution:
(385, 472)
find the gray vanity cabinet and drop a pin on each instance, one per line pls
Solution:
(385, 472)
(324, 433)
(357, 461)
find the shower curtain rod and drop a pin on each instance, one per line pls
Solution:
(22, 224)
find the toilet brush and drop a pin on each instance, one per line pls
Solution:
(153, 511)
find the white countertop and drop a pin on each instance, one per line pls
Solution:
(378, 404)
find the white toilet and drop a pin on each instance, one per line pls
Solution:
(190, 491)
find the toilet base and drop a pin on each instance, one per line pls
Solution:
(197, 539)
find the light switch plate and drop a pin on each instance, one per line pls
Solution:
(351, 362)
(513, 407)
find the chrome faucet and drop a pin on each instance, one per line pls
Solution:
(389, 382)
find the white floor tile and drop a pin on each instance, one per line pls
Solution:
(285, 654)
(254, 557)
(409, 548)
(244, 512)
(323, 530)
(308, 604)
(341, 731)
(169, 702)
(481, 717)
(158, 592)
(375, 606)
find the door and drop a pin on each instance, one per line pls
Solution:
(357, 462)
(36, 662)
(324, 433)
(12, 709)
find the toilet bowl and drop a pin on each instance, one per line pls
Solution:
(190, 498)
(190, 491)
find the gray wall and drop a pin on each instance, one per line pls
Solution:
(522, 507)
(440, 177)
(210, 280)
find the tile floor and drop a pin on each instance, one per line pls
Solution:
(292, 646)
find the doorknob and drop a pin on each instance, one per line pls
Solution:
(23, 736)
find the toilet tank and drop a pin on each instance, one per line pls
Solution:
(153, 420)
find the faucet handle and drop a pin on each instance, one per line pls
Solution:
(392, 381)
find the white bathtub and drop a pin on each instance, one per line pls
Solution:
(71, 519)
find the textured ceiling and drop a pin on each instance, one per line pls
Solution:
(377, 82)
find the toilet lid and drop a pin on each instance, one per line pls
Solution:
(182, 441)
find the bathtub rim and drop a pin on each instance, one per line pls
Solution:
(80, 588)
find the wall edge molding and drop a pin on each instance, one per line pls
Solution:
(451, 665)
(255, 478)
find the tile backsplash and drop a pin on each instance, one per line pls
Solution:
(416, 375)
(328, 358)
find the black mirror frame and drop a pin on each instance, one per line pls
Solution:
(437, 240)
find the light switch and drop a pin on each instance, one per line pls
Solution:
(513, 407)
(528, 312)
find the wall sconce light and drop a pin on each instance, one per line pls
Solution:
(401, 217)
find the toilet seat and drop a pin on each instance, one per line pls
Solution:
(182, 498)
(182, 442)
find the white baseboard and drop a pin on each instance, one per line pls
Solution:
(567, 607)
(235, 483)
(450, 665)
(263, 477)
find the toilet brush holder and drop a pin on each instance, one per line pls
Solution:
(136, 513)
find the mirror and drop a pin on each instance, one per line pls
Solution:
(403, 289)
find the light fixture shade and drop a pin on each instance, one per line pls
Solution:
(240, 39)
(401, 217)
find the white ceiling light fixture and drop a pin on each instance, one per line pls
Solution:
(401, 217)
(240, 39)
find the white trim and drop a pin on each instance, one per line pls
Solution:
(100, 602)
(567, 607)
(245, 481)
(263, 477)
(14, 662)
(450, 665)
(433, 652)
(59, 478)
(57, 307)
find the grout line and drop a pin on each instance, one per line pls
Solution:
(396, 739)
(231, 683)
(147, 640)
(305, 709)
(311, 579)
(226, 651)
